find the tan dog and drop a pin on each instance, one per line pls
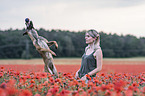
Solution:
(41, 46)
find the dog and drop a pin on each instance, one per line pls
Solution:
(42, 46)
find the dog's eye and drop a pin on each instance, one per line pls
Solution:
(87, 36)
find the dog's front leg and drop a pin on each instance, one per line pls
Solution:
(56, 45)
(50, 43)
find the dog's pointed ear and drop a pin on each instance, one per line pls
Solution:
(25, 33)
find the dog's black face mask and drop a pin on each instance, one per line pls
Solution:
(25, 33)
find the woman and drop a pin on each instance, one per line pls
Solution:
(92, 58)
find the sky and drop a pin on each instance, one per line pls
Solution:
(110, 16)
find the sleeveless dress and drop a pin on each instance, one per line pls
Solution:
(88, 64)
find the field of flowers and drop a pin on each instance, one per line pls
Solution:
(113, 80)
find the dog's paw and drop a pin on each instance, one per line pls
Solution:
(53, 53)
(56, 45)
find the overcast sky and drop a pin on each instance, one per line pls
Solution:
(111, 16)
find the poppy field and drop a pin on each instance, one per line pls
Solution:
(27, 78)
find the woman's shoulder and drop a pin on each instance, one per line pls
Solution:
(98, 51)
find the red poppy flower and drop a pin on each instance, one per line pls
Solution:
(128, 93)
(49, 94)
(3, 85)
(37, 95)
(64, 92)
(43, 75)
(11, 91)
(2, 92)
(53, 90)
(25, 93)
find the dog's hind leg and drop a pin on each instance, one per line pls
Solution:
(52, 68)
(55, 71)
(49, 66)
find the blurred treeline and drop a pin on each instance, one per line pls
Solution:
(71, 44)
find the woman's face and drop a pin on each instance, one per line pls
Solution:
(89, 39)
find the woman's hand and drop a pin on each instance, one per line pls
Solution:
(84, 77)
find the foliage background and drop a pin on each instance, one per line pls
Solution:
(71, 44)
